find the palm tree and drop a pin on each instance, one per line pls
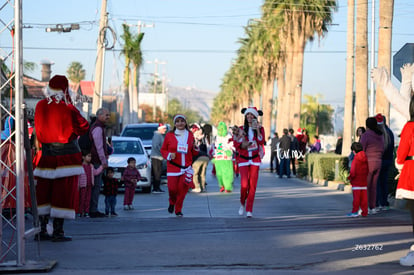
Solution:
(75, 72)
(349, 89)
(361, 63)
(136, 60)
(386, 10)
(126, 51)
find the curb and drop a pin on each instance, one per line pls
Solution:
(347, 188)
(335, 185)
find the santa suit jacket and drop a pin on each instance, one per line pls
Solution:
(359, 170)
(184, 160)
(247, 157)
(58, 126)
(405, 187)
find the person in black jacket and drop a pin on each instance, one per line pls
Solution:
(284, 154)
(386, 162)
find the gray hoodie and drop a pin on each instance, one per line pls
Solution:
(157, 141)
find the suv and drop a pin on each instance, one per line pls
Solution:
(145, 131)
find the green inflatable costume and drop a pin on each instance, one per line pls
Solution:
(222, 159)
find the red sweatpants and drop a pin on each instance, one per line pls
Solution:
(177, 190)
(129, 193)
(84, 199)
(58, 197)
(360, 201)
(248, 180)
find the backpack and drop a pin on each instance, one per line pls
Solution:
(85, 142)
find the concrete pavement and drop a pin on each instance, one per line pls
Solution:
(297, 228)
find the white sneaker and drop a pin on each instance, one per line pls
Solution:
(126, 207)
(196, 190)
(372, 211)
(131, 207)
(408, 260)
(241, 210)
(249, 214)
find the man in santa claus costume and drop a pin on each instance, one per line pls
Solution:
(58, 124)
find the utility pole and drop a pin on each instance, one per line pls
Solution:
(156, 62)
(100, 68)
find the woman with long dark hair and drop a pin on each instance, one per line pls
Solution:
(178, 149)
(405, 163)
(249, 144)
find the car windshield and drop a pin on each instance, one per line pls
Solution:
(127, 147)
(144, 133)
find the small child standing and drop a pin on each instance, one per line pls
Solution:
(130, 177)
(110, 190)
(86, 181)
(358, 177)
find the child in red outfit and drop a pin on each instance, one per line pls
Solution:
(86, 181)
(130, 177)
(358, 177)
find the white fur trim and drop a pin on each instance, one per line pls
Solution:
(252, 111)
(58, 95)
(43, 209)
(404, 194)
(58, 172)
(64, 213)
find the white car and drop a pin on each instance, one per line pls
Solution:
(124, 148)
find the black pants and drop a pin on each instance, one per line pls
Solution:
(273, 159)
(293, 162)
(156, 170)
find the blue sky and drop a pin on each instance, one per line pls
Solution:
(197, 39)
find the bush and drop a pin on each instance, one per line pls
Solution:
(322, 166)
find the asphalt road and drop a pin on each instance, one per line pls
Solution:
(297, 228)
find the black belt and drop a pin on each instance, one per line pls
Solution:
(409, 158)
(249, 158)
(59, 149)
(176, 164)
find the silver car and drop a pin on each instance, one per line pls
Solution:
(124, 148)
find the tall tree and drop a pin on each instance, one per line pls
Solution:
(316, 117)
(361, 62)
(386, 10)
(349, 86)
(136, 59)
(76, 73)
(126, 52)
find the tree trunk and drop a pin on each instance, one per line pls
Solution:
(286, 119)
(280, 97)
(125, 90)
(349, 86)
(297, 81)
(361, 63)
(386, 9)
(134, 110)
(256, 100)
(267, 97)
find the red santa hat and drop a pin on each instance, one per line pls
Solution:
(179, 116)
(379, 118)
(161, 126)
(59, 89)
(299, 131)
(252, 110)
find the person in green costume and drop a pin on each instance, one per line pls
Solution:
(222, 158)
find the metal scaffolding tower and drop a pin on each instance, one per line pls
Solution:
(14, 148)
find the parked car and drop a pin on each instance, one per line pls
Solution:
(124, 148)
(145, 131)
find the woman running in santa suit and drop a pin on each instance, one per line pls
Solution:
(249, 143)
(178, 149)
